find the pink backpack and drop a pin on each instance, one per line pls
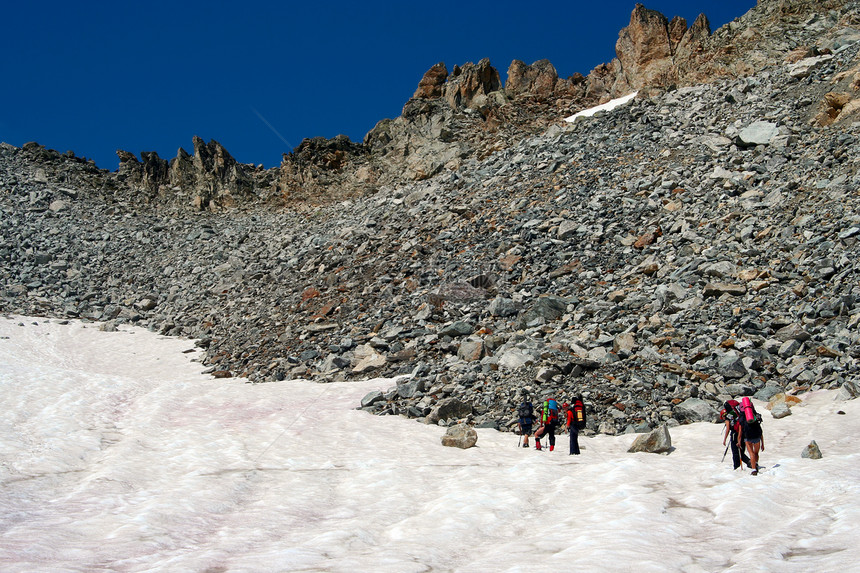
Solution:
(749, 413)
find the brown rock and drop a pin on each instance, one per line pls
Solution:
(644, 49)
(509, 261)
(470, 81)
(648, 238)
(831, 107)
(781, 398)
(717, 289)
(431, 85)
(539, 79)
(126, 157)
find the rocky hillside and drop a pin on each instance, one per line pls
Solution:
(697, 243)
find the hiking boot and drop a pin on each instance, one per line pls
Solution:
(526, 445)
(551, 448)
(537, 446)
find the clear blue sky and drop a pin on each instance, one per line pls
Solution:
(94, 77)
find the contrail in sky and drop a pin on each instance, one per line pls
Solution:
(269, 125)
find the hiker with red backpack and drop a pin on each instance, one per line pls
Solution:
(549, 421)
(732, 416)
(574, 421)
(751, 433)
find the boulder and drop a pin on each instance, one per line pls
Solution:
(460, 436)
(449, 409)
(695, 410)
(658, 441)
(372, 398)
(410, 388)
(782, 398)
(757, 133)
(849, 391)
(720, 288)
(501, 306)
(515, 358)
(365, 359)
(732, 366)
(546, 308)
(471, 350)
(624, 344)
(811, 451)
(768, 392)
(456, 329)
(792, 332)
(780, 410)
(806, 66)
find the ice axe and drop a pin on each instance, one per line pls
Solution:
(724, 454)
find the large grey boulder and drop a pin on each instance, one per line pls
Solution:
(410, 388)
(780, 410)
(545, 309)
(658, 441)
(758, 133)
(695, 410)
(460, 436)
(515, 358)
(372, 398)
(732, 366)
(792, 332)
(456, 329)
(849, 391)
(501, 306)
(449, 409)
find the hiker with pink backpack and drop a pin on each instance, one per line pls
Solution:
(731, 415)
(751, 433)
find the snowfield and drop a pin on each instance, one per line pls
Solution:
(117, 454)
(608, 106)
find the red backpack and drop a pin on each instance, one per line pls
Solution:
(732, 413)
(578, 413)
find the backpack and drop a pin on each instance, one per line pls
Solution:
(550, 411)
(526, 412)
(731, 410)
(749, 413)
(578, 413)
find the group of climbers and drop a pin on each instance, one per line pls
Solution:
(548, 421)
(743, 430)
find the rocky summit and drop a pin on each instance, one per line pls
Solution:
(697, 243)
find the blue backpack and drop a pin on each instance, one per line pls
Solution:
(550, 411)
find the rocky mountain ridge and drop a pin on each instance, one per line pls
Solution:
(468, 113)
(698, 243)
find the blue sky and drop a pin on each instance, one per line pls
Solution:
(259, 77)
